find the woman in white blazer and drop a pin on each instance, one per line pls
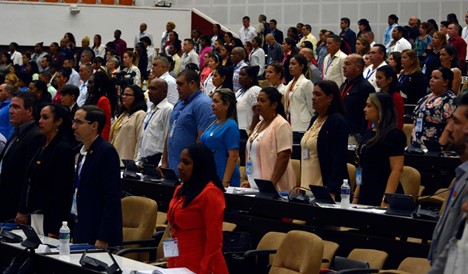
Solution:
(298, 97)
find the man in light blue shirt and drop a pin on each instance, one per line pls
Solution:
(392, 22)
(190, 117)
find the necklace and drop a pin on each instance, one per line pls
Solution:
(264, 125)
(217, 127)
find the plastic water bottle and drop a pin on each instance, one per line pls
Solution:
(64, 236)
(345, 194)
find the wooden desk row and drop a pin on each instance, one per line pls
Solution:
(367, 230)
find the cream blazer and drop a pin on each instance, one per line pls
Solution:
(298, 103)
(125, 134)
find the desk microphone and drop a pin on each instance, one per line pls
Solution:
(424, 198)
(10, 237)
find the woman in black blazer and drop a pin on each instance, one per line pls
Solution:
(325, 144)
(49, 180)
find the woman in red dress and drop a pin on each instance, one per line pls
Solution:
(196, 213)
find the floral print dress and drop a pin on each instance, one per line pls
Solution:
(434, 112)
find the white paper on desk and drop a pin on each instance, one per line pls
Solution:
(160, 270)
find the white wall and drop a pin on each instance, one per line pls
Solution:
(325, 13)
(28, 23)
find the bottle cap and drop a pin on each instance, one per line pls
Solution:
(64, 223)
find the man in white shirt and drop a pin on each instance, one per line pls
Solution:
(377, 58)
(161, 70)
(247, 32)
(85, 72)
(465, 36)
(155, 124)
(74, 76)
(398, 43)
(237, 58)
(369, 35)
(189, 55)
(257, 55)
(143, 33)
(16, 56)
(334, 61)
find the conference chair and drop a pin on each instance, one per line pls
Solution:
(296, 164)
(329, 250)
(410, 179)
(375, 258)
(410, 265)
(300, 252)
(407, 129)
(439, 197)
(352, 176)
(138, 219)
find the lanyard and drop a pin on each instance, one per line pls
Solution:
(370, 73)
(329, 63)
(151, 117)
(344, 91)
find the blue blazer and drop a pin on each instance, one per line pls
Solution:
(98, 197)
(332, 147)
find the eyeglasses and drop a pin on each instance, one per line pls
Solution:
(127, 95)
(80, 122)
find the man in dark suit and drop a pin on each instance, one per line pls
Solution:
(276, 32)
(453, 217)
(19, 150)
(96, 202)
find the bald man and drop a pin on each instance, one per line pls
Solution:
(143, 33)
(354, 92)
(313, 73)
(155, 124)
(274, 50)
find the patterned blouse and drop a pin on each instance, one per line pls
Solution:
(434, 112)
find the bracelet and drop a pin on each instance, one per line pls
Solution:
(356, 197)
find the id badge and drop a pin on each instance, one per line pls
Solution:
(249, 168)
(359, 176)
(419, 123)
(74, 207)
(305, 153)
(170, 248)
(171, 133)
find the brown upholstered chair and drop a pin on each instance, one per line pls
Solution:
(410, 265)
(301, 252)
(375, 258)
(296, 164)
(329, 250)
(410, 179)
(407, 129)
(352, 176)
(138, 219)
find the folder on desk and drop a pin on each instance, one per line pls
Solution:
(321, 195)
(266, 189)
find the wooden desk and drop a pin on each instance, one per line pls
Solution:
(368, 230)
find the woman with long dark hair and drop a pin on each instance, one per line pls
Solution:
(325, 143)
(269, 147)
(449, 59)
(247, 99)
(196, 213)
(102, 93)
(387, 80)
(126, 129)
(50, 175)
(290, 50)
(98, 48)
(379, 153)
(223, 138)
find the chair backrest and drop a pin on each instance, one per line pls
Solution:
(407, 129)
(375, 258)
(415, 265)
(300, 252)
(410, 179)
(352, 176)
(229, 226)
(329, 250)
(444, 193)
(296, 164)
(271, 240)
(138, 218)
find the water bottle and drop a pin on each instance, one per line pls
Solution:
(345, 194)
(64, 236)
